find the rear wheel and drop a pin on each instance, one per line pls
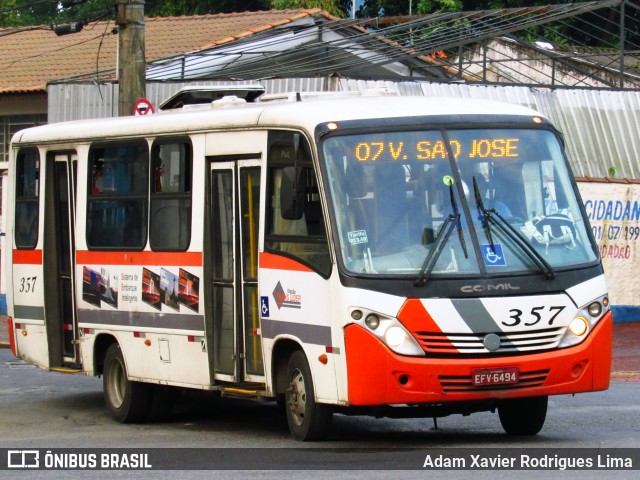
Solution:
(307, 419)
(126, 401)
(523, 416)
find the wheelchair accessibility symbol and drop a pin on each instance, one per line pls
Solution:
(264, 307)
(493, 255)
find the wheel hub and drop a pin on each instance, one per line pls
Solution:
(296, 401)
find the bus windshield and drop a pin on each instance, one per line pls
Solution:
(454, 202)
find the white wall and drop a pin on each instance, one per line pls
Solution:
(614, 214)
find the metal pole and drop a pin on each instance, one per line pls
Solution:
(622, 39)
(485, 48)
(131, 58)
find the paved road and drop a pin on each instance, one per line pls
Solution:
(48, 410)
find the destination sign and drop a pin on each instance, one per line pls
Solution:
(400, 150)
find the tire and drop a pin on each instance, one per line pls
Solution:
(127, 402)
(523, 416)
(307, 419)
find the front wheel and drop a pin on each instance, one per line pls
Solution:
(126, 401)
(307, 419)
(523, 416)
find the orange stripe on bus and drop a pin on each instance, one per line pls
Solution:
(187, 259)
(27, 257)
(278, 262)
(416, 318)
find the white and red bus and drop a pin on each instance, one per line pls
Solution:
(392, 256)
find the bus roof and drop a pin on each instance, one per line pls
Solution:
(306, 114)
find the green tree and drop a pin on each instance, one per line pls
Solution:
(15, 13)
(375, 8)
(387, 8)
(174, 8)
(20, 12)
(7, 13)
(435, 6)
(333, 7)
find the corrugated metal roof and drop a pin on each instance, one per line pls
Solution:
(601, 127)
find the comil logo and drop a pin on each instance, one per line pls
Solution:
(23, 459)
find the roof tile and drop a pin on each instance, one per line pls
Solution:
(32, 58)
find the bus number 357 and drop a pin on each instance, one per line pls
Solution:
(534, 317)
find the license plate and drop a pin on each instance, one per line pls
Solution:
(481, 377)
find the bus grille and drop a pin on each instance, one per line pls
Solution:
(462, 383)
(472, 343)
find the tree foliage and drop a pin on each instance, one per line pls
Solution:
(330, 6)
(47, 12)
(14, 13)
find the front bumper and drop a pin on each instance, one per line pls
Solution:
(377, 376)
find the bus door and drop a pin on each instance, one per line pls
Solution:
(235, 207)
(59, 259)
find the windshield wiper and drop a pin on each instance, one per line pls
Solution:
(452, 220)
(491, 216)
(454, 205)
(441, 239)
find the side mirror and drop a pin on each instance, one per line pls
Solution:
(292, 192)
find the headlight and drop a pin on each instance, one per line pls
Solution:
(389, 330)
(579, 326)
(395, 336)
(586, 318)
(372, 321)
(595, 309)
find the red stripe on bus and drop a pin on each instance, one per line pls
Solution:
(178, 259)
(12, 338)
(416, 318)
(278, 262)
(27, 257)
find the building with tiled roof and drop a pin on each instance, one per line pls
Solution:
(30, 59)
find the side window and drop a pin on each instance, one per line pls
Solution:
(117, 197)
(305, 238)
(27, 193)
(170, 221)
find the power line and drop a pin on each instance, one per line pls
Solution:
(363, 43)
(66, 47)
(5, 33)
(87, 18)
(448, 34)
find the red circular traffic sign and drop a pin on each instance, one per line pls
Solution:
(143, 107)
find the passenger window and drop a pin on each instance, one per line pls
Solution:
(170, 222)
(305, 238)
(27, 194)
(117, 197)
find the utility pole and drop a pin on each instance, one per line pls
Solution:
(131, 59)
